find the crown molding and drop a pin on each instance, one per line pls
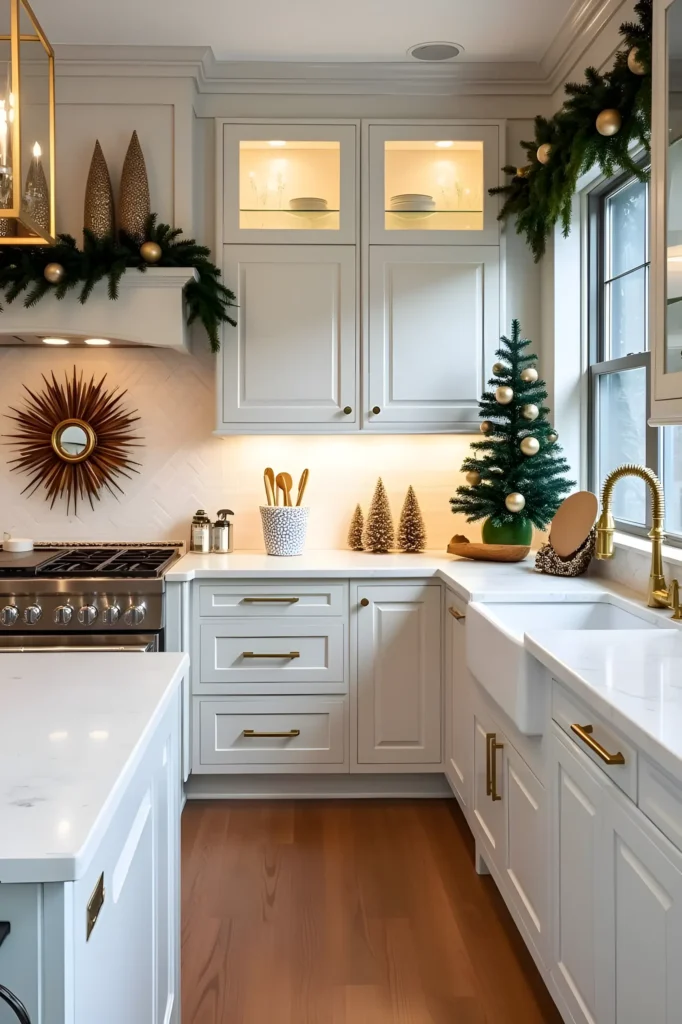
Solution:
(583, 24)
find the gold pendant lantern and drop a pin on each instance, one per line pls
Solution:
(27, 130)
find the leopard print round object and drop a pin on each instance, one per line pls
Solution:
(284, 529)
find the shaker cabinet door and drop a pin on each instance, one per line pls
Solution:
(434, 325)
(291, 360)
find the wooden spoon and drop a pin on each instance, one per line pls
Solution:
(269, 477)
(302, 486)
(285, 483)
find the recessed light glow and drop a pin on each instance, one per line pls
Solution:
(97, 341)
(58, 735)
(277, 143)
(55, 341)
(445, 144)
(99, 734)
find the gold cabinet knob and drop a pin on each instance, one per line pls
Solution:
(348, 410)
(364, 602)
(376, 410)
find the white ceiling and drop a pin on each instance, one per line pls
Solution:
(304, 30)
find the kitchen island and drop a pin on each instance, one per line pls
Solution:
(90, 800)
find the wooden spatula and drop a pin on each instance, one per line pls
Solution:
(269, 480)
(285, 483)
(302, 486)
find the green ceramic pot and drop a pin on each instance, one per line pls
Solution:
(518, 532)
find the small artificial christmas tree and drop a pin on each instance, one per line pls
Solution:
(378, 535)
(355, 530)
(411, 529)
(516, 478)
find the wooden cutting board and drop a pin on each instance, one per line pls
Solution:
(572, 523)
(488, 552)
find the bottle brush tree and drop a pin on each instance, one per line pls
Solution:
(411, 529)
(355, 530)
(516, 476)
(379, 534)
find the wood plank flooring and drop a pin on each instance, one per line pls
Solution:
(358, 912)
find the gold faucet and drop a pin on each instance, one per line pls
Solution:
(660, 595)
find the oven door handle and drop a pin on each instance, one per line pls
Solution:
(65, 649)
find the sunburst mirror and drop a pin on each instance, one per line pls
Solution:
(74, 439)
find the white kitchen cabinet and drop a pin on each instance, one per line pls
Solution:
(458, 711)
(399, 676)
(434, 325)
(290, 363)
(488, 803)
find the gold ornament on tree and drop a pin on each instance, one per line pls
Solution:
(499, 368)
(530, 445)
(54, 273)
(411, 529)
(473, 478)
(553, 436)
(378, 534)
(36, 199)
(151, 252)
(98, 209)
(544, 153)
(529, 375)
(486, 427)
(133, 201)
(530, 411)
(521, 172)
(635, 65)
(608, 122)
(504, 395)
(515, 502)
(355, 530)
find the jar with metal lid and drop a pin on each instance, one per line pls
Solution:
(221, 533)
(200, 534)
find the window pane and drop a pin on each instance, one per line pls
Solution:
(626, 314)
(672, 478)
(626, 212)
(622, 437)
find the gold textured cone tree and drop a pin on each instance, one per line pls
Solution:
(379, 534)
(355, 531)
(98, 213)
(411, 529)
(133, 201)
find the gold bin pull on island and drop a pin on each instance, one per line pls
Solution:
(660, 595)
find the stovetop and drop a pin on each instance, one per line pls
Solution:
(83, 562)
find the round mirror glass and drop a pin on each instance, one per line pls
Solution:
(73, 440)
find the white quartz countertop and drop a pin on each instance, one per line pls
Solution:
(73, 728)
(471, 580)
(632, 679)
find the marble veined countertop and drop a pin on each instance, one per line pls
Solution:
(73, 728)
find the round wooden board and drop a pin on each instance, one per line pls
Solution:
(490, 552)
(572, 524)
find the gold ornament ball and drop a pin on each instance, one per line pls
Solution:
(553, 437)
(498, 368)
(473, 478)
(504, 395)
(634, 64)
(529, 375)
(608, 122)
(521, 172)
(54, 273)
(530, 412)
(530, 446)
(150, 252)
(486, 427)
(515, 502)
(544, 152)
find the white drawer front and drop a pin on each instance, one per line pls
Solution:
(660, 798)
(272, 599)
(567, 711)
(20, 954)
(293, 730)
(272, 657)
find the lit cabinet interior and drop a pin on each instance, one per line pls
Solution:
(289, 185)
(433, 185)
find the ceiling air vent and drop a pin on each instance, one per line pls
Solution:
(435, 51)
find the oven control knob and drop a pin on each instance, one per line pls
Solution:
(32, 614)
(87, 614)
(63, 614)
(135, 615)
(111, 615)
(9, 615)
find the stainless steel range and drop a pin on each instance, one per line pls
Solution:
(85, 597)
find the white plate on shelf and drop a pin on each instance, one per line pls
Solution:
(307, 203)
(407, 197)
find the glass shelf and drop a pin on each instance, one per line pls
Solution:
(260, 210)
(422, 213)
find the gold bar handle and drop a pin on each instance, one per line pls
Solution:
(494, 747)
(270, 600)
(489, 737)
(251, 734)
(460, 616)
(95, 904)
(584, 732)
(255, 654)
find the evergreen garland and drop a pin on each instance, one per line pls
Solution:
(540, 195)
(22, 270)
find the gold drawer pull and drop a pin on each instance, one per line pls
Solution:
(250, 734)
(95, 904)
(460, 616)
(270, 600)
(492, 746)
(585, 734)
(254, 654)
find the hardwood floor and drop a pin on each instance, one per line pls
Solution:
(362, 912)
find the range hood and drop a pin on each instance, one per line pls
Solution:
(150, 310)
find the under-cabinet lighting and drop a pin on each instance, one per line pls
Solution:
(277, 143)
(55, 341)
(445, 144)
(97, 341)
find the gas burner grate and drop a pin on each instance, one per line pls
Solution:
(110, 562)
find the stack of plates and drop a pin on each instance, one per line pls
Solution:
(414, 202)
(307, 203)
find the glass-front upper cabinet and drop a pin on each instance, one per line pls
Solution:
(665, 313)
(428, 184)
(289, 182)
